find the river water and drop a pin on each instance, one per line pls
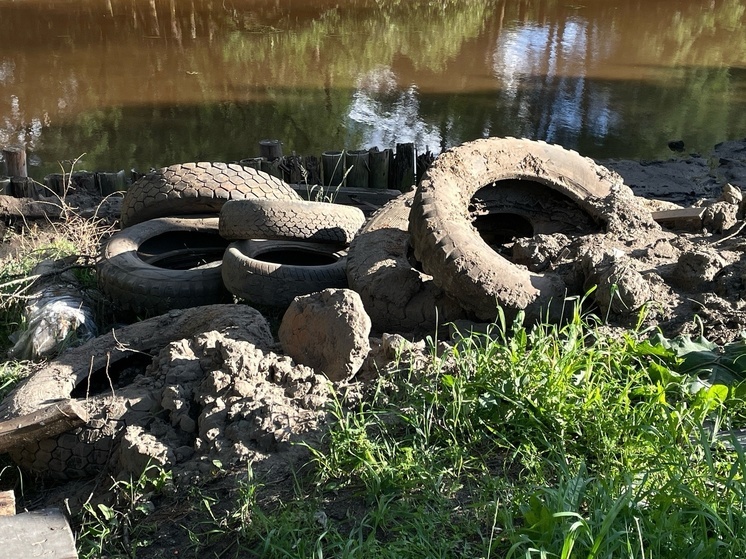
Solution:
(141, 83)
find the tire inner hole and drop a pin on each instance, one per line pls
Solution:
(117, 375)
(296, 257)
(500, 230)
(183, 250)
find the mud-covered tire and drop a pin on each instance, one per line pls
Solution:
(197, 188)
(92, 375)
(292, 220)
(248, 272)
(453, 252)
(137, 278)
(397, 296)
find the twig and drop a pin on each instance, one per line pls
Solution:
(731, 235)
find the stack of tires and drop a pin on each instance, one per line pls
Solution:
(200, 233)
(179, 222)
(282, 249)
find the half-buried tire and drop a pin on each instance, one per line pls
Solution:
(396, 294)
(163, 264)
(452, 250)
(273, 273)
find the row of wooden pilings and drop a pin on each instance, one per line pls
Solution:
(372, 168)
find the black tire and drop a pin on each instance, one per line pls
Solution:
(452, 250)
(293, 220)
(397, 296)
(273, 273)
(197, 188)
(102, 375)
(163, 264)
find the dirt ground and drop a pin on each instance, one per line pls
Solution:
(210, 423)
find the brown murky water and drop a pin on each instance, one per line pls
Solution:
(140, 83)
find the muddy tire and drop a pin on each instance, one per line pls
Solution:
(290, 220)
(454, 253)
(397, 296)
(163, 264)
(273, 273)
(197, 188)
(102, 375)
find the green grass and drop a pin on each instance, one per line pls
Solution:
(555, 442)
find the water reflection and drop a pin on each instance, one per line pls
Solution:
(151, 82)
(560, 54)
(385, 114)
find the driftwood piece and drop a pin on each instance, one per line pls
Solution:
(7, 503)
(28, 208)
(689, 219)
(42, 424)
(44, 533)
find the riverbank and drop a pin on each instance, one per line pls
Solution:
(405, 458)
(685, 179)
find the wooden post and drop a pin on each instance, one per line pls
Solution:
(272, 167)
(252, 162)
(313, 170)
(292, 167)
(84, 181)
(379, 168)
(332, 168)
(403, 175)
(26, 187)
(5, 187)
(358, 168)
(271, 149)
(424, 160)
(135, 175)
(15, 161)
(56, 183)
(42, 424)
(109, 183)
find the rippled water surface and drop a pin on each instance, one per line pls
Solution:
(140, 83)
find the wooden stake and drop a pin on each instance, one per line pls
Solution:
(56, 183)
(42, 424)
(15, 161)
(271, 149)
(332, 168)
(379, 168)
(252, 162)
(404, 178)
(5, 187)
(109, 183)
(357, 161)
